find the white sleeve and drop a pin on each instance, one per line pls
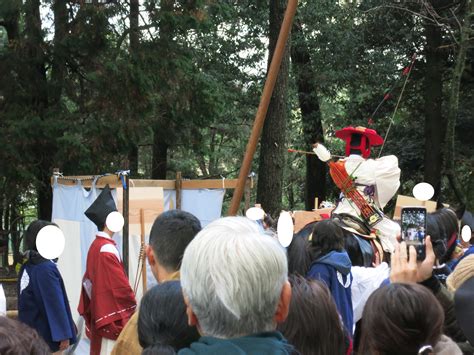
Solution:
(387, 178)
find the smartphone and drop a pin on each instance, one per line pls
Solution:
(414, 229)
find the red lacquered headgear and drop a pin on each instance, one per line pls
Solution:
(369, 138)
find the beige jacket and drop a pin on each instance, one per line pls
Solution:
(127, 343)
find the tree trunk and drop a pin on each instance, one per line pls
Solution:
(134, 30)
(160, 146)
(453, 104)
(59, 57)
(14, 232)
(160, 157)
(6, 225)
(134, 49)
(272, 148)
(435, 126)
(133, 159)
(316, 170)
(39, 93)
(37, 68)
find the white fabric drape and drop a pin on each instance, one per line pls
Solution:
(69, 204)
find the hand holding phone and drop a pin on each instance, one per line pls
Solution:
(405, 268)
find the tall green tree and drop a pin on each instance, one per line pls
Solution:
(272, 146)
(308, 96)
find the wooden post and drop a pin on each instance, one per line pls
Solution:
(142, 240)
(179, 187)
(263, 106)
(125, 234)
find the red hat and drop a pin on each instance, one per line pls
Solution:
(370, 138)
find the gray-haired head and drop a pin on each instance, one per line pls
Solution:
(233, 276)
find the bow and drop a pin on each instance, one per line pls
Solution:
(406, 72)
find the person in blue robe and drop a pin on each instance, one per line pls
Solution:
(42, 298)
(321, 256)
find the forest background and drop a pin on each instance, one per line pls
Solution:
(89, 86)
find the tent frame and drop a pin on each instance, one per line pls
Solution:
(178, 184)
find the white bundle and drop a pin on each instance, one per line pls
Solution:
(322, 152)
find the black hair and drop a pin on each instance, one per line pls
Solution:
(313, 325)
(327, 236)
(442, 226)
(400, 319)
(17, 338)
(312, 242)
(352, 247)
(298, 259)
(171, 233)
(162, 321)
(32, 232)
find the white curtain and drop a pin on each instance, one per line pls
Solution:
(69, 204)
(205, 204)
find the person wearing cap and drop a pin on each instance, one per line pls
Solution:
(107, 301)
(42, 298)
(377, 180)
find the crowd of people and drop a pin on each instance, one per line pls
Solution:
(231, 288)
(339, 287)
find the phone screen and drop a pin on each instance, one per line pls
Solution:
(414, 228)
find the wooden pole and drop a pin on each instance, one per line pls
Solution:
(142, 241)
(125, 236)
(179, 187)
(263, 106)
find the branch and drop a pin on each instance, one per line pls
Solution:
(126, 33)
(432, 19)
(457, 20)
(148, 26)
(403, 9)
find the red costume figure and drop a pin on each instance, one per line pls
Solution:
(366, 184)
(107, 301)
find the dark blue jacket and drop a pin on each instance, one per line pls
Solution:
(43, 304)
(334, 269)
(267, 343)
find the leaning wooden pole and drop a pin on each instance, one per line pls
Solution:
(126, 217)
(263, 106)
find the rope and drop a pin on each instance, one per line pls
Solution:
(88, 178)
(138, 274)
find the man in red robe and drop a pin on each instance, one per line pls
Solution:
(107, 301)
